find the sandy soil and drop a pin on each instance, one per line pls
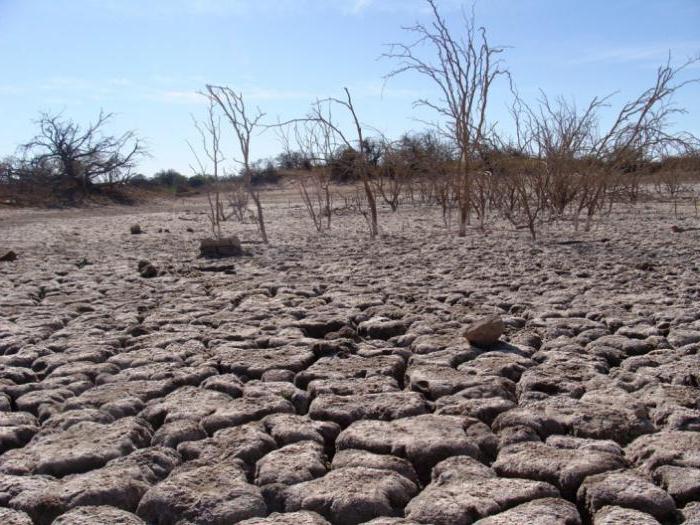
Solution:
(325, 378)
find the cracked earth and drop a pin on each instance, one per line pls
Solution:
(325, 379)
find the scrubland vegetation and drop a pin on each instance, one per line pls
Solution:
(554, 161)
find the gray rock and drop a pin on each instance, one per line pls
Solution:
(8, 256)
(244, 410)
(546, 511)
(682, 483)
(564, 468)
(612, 515)
(463, 490)
(352, 495)
(291, 428)
(485, 332)
(603, 417)
(362, 458)
(98, 515)
(384, 406)
(203, 494)
(382, 328)
(435, 381)
(147, 270)
(254, 362)
(16, 429)
(247, 442)
(288, 518)
(672, 447)
(121, 483)
(351, 367)
(423, 440)
(301, 461)
(222, 247)
(14, 517)
(82, 447)
(691, 513)
(628, 490)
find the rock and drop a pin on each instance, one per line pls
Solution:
(147, 270)
(223, 247)
(291, 428)
(14, 517)
(682, 483)
(691, 513)
(672, 447)
(362, 458)
(382, 328)
(351, 367)
(227, 383)
(595, 417)
(612, 515)
(352, 386)
(121, 483)
(135, 229)
(485, 332)
(81, 447)
(289, 465)
(203, 494)
(254, 362)
(463, 490)
(384, 406)
(247, 442)
(628, 490)
(8, 256)
(352, 495)
(423, 440)
(564, 468)
(435, 381)
(289, 518)
(98, 515)
(244, 410)
(546, 511)
(301, 461)
(16, 429)
(485, 409)
(391, 521)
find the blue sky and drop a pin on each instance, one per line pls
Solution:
(144, 60)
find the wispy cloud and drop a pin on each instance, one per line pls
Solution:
(649, 53)
(10, 89)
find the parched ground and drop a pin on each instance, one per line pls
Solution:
(325, 379)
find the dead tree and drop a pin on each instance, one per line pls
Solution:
(641, 127)
(322, 114)
(464, 70)
(208, 162)
(83, 156)
(244, 124)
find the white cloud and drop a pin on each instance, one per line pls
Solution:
(650, 53)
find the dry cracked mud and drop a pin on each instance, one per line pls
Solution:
(326, 379)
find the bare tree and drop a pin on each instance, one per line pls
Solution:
(244, 124)
(321, 112)
(641, 127)
(208, 162)
(83, 156)
(464, 70)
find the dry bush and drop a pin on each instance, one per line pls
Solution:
(315, 192)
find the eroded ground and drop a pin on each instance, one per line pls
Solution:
(325, 379)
